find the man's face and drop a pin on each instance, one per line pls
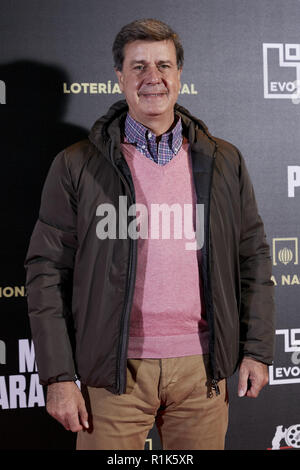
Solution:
(150, 80)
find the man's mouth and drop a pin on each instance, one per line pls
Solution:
(153, 94)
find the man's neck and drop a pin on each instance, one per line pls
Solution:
(157, 126)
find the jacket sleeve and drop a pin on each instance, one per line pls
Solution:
(257, 321)
(49, 270)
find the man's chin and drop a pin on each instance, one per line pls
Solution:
(154, 113)
(154, 108)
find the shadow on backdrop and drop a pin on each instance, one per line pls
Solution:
(32, 133)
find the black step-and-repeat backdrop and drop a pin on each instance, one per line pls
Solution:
(241, 77)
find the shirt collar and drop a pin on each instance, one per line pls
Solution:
(136, 133)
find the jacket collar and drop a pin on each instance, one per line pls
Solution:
(106, 132)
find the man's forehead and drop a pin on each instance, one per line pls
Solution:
(141, 49)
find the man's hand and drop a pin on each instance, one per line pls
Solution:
(66, 404)
(256, 373)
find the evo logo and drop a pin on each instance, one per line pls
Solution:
(286, 369)
(281, 68)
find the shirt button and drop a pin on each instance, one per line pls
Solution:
(149, 135)
(143, 146)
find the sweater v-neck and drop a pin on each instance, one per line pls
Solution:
(133, 153)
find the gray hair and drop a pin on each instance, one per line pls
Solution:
(148, 30)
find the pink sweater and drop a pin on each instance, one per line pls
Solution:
(167, 317)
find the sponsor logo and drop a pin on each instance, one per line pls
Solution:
(286, 370)
(285, 251)
(112, 88)
(148, 444)
(290, 435)
(281, 70)
(22, 390)
(293, 179)
(2, 92)
(285, 254)
(12, 291)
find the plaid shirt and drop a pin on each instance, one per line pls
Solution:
(145, 141)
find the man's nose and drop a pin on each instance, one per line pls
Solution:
(153, 76)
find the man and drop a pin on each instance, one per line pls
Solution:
(151, 328)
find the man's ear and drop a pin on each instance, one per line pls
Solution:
(179, 76)
(120, 79)
(180, 72)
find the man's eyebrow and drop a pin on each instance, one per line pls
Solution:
(165, 61)
(132, 62)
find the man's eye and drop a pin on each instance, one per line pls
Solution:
(138, 67)
(164, 66)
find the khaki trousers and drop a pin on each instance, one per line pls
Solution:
(174, 393)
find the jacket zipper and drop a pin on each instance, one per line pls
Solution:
(215, 386)
(214, 381)
(122, 348)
